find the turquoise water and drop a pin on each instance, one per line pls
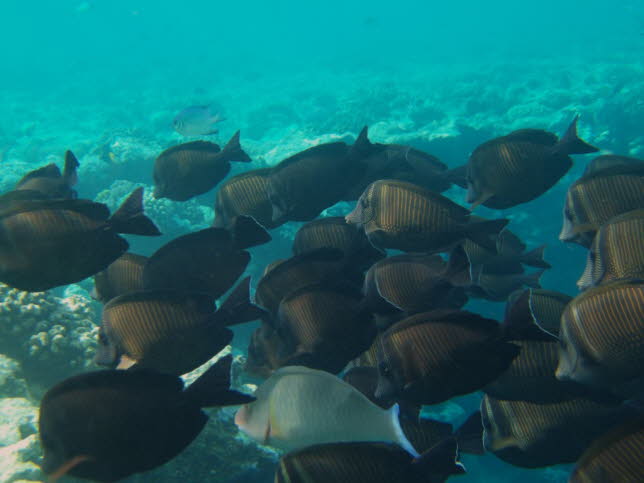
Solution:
(105, 79)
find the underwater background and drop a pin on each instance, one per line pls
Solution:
(106, 78)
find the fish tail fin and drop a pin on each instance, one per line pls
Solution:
(69, 171)
(457, 176)
(459, 269)
(234, 151)
(533, 280)
(440, 460)
(483, 232)
(470, 435)
(247, 232)
(237, 308)
(212, 388)
(571, 143)
(534, 258)
(400, 438)
(129, 218)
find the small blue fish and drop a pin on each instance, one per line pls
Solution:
(196, 121)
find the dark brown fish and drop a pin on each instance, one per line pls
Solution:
(508, 254)
(424, 433)
(208, 261)
(413, 283)
(602, 336)
(534, 435)
(365, 380)
(266, 352)
(326, 325)
(123, 275)
(595, 198)
(368, 358)
(244, 194)
(49, 181)
(519, 167)
(614, 457)
(48, 243)
(534, 313)
(498, 286)
(294, 273)
(431, 357)
(107, 425)
(335, 232)
(400, 215)
(302, 186)
(395, 161)
(617, 251)
(169, 331)
(609, 161)
(369, 463)
(190, 169)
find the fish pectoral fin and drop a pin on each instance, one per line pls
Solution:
(125, 362)
(66, 467)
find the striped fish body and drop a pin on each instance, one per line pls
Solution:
(335, 232)
(534, 313)
(403, 216)
(266, 352)
(301, 186)
(431, 357)
(188, 170)
(535, 435)
(531, 376)
(348, 463)
(296, 272)
(368, 358)
(602, 335)
(599, 196)
(412, 284)
(244, 194)
(617, 251)
(122, 276)
(326, 324)
(44, 244)
(608, 161)
(515, 168)
(165, 330)
(614, 457)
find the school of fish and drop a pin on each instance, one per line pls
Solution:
(353, 339)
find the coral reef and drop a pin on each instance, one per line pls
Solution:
(17, 462)
(172, 218)
(51, 337)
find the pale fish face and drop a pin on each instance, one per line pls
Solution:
(359, 215)
(252, 421)
(567, 230)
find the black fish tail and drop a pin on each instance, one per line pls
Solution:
(247, 232)
(69, 171)
(129, 218)
(212, 388)
(482, 232)
(457, 176)
(237, 308)
(234, 152)
(570, 143)
(440, 459)
(534, 279)
(470, 435)
(534, 258)
(459, 270)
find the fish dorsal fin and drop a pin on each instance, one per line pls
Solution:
(88, 208)
(331, 150)
(536, 136)
(203, 146)
(636, 169)
(69, 172)
(49, 171)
